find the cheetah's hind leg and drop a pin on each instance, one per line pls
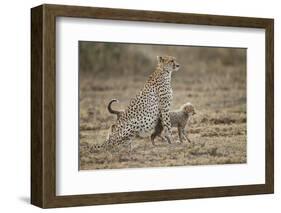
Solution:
(152, 137)
(129, 147)
(96, 148)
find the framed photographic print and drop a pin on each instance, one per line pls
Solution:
(136, 106)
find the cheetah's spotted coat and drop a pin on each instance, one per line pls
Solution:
(151, 104)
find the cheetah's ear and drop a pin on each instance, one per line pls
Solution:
(159, 59)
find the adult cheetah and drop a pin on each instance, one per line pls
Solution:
(151, 104)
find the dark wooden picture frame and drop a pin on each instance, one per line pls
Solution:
(43, 105)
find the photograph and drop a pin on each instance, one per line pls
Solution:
(161, 105)
(136, 105)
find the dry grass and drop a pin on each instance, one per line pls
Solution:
(218, 131)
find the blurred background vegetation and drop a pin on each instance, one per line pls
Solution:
(133, 59)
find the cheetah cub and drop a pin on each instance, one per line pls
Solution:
(179, 119)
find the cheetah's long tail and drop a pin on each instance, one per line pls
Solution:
(112, 111)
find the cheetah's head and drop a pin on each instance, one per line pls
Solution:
(188, 109)
(168, 63)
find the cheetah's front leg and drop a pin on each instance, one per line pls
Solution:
(166, 123)
(152, 137)
(166, 127)
(164, 107)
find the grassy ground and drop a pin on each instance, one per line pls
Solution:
(217, 89)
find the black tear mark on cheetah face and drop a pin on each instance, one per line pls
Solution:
(168, 63)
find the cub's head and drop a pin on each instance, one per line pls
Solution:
(188, 109)
(168, 63)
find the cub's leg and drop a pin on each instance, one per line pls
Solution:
(185, 135)
(182, 135)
